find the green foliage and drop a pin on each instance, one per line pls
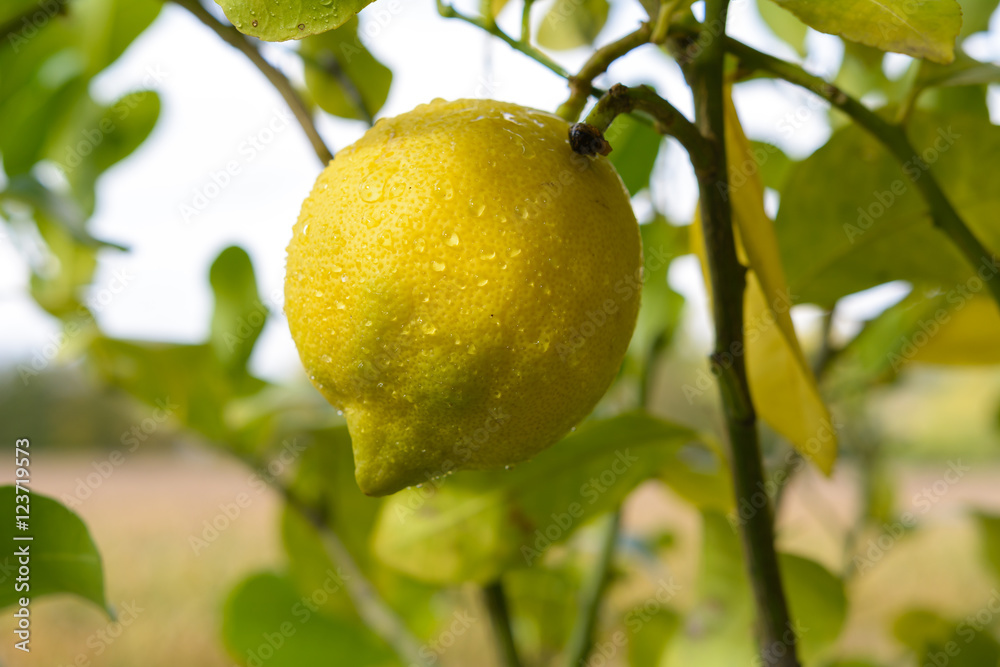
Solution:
(476, 525)
(277, 22)
(636, 146)
(919, 29)
(63, 557)
(935, 640)
(343, 76)
(572, 23)
(873, 226)
(784, 25)
(266, 619)
(239, 314)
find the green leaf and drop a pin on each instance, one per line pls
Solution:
(660, 311)
(816, 600)
(976, 15)
(775, 165)
(572, 23)
(277, 22)
(918, 28)
(845, 230)
(537, 598)
(239, 314)
(267, 621)
(989, 536)
(63, 556)
(474, 526)
(940, 641)
(343, 76)
(188, 381)
(635, 147)
(784, 25)
(650, 640)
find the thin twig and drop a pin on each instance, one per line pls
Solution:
(893, 137)
(526, 21)
(581, 643)
(496, 604)
(581, 85)
(622, 99)
(378, 615)
(728, 281)
(236, 39)
(490, 26)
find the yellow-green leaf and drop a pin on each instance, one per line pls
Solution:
(572, 23)
(781, 382)
(968, 334)
(918, 28)
(277, 22)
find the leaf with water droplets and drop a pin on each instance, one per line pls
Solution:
(295, 19)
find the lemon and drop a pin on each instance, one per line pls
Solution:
(464, 287)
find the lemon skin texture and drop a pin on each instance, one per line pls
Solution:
(464, 287)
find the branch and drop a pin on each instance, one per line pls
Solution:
(892, 136)
(378, 615)
(581, 85)
(621, 99)
(496, 604)
(236, 39)
(581, 642)
(728, 278)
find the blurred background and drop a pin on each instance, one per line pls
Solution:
(126, 410)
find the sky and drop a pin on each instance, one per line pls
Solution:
(218, 109)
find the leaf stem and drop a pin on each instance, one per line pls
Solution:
(490, 26)
(669, 120)
(526, 22)
(376, 613)
(496, 604)
(239, 41)
(893, 137)
(728, 277)
(582, 640)
(581, 85)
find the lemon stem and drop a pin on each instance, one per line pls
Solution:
(496, 605)
(893, 137)
(582, 640)
(239, 41)
(705, 75)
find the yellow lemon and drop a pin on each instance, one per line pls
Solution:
(464, 287)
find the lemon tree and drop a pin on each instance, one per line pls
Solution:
(503, 363)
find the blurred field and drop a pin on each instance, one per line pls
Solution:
(143, 515)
